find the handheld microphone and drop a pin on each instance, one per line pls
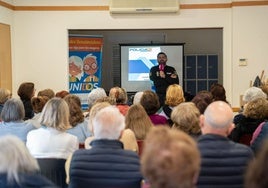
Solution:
(161, 67)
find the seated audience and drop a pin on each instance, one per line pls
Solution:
(186, 118)
(5, 94)
(250, 94)
(38, 104)
(223, 162)
(51, 140)
(256, 175)
(128, 137)
(255, 112)
(79, 126)
(218, 92)
(106, 164)
(151, 104)
(49, 93)
(121, 99)
(26, 91)
(170, 159)
(202, 99)
(174, 97)
(12, 120)
(18, 168)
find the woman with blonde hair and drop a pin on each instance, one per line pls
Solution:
(138, 121)
(185, 117)
(18, 168)
(52, 140)
(255, 112)
(121, 98)
(174, 97)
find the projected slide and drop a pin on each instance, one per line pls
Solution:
(141, 59)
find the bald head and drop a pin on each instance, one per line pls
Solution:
(217, 117)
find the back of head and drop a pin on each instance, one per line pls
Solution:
(75, 109)
(218, 116)
(119, 94)
(253, 93)
(257, 174)
(15, 158)
(170, 159)
(202, 99)
(174, 95)
(62, 94)
(186, 118)
(108, 123)
(256, 109)
(218, 92)
(26, 90)
(13, 110)
(150, 102)
(138, 121)
(5, 94)
(47, 93)
(95, 94)
(108, 99)
(93, 111)
(55, 114)
(38, 103)
(137, 97)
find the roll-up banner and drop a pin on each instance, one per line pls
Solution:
(85, 61)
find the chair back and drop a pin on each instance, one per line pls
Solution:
(53, 169)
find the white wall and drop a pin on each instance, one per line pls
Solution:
(250, 41)
(40, 46)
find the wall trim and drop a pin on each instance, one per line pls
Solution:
(6, 5)
(106, 8)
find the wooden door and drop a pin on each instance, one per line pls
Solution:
(5, 57)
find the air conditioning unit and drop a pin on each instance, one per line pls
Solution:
(143, 6)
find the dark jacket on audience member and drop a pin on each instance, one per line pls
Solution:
(245, 126)
(105, 165)
(223, 162)
(27, 181)
(29, 113)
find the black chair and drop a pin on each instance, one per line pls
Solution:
(53, 169)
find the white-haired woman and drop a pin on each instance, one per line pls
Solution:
(18, 168)
(12, 117)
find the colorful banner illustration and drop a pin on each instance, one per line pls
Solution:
(85, 61)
